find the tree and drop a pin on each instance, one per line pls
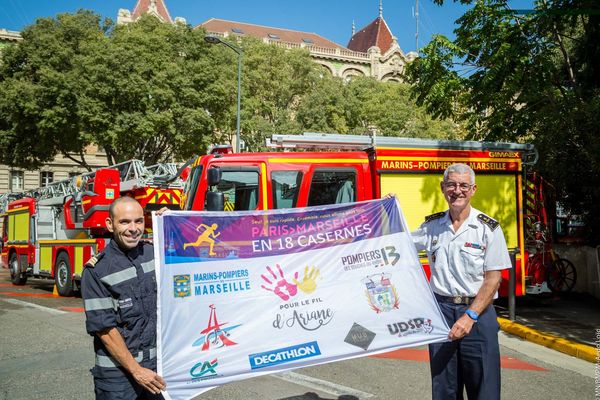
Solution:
(326, 107)
(530, 77)
(364, 104)
(387, 107)
(38, 100)
(144, 90)
(150, 90)
(274, 82)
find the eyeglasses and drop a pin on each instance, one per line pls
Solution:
(464, 187)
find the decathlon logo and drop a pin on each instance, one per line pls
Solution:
(285, 355)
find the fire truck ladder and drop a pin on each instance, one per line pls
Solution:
(6, 198)
(312, 140)
(133, 174)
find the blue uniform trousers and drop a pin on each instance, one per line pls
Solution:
(122, 389)
(471, 363)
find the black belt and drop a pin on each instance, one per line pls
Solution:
(455, 299)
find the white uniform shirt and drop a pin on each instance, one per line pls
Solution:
(458, 260)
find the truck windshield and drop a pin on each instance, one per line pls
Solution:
(286, 186)
(240, 189)
(191, 186)
(332, 187)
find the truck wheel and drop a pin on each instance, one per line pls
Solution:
(16, 277)
(63, 276)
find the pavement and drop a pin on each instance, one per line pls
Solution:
(569, 323)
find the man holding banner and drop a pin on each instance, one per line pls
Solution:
(467, 251)
(119, 291)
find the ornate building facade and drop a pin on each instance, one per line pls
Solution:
(372, 51)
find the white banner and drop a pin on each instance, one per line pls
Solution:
(242, 294)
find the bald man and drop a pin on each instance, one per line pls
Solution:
(118, 287)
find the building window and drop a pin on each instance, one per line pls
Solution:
(273, 36)
(16, 181)
(307, 40)
(46, 178)
(238, 31)
(73, 174)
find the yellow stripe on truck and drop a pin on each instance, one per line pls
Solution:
(320, 160)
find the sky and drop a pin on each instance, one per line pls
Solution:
(331, 19)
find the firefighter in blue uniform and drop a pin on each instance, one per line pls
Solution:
(467, 251)
(119, 291)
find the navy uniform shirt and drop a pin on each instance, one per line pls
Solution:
(120, 291)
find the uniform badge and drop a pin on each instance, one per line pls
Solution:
(484, 219)
(435, 216)
(91, 263)
(125, 303)
(474, 245)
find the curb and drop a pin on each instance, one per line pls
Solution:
(575, 349)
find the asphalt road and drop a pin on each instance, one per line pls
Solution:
(45, 353)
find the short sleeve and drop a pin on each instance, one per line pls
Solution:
(419, 237)
(100, 309)
(496, 255)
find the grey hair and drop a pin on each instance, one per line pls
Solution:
(460, 168)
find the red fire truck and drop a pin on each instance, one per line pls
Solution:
(50, 232)
(345, 168)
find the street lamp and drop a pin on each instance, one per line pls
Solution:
(216, 40)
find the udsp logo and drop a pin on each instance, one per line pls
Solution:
(411, 326)
(381, 294)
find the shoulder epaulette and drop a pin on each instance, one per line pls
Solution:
(91, 263)
(492, 223)
(435, 216)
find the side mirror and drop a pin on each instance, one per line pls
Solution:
(214, 176)
(215, 201)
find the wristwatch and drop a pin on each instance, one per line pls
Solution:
(472, 314)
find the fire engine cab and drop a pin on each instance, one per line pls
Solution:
(317, 169)
(51, 231)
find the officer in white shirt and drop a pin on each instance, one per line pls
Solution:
(467, 251)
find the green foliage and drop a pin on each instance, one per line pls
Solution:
(158, 91)
(527, 77)
(146, 90)
(38, 100)
(149, 91)
(274, 82)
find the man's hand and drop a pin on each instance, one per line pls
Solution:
(149, 380)
(461, 328)
(161, 211)
(115, 344)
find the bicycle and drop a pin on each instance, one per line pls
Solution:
(545, 266)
